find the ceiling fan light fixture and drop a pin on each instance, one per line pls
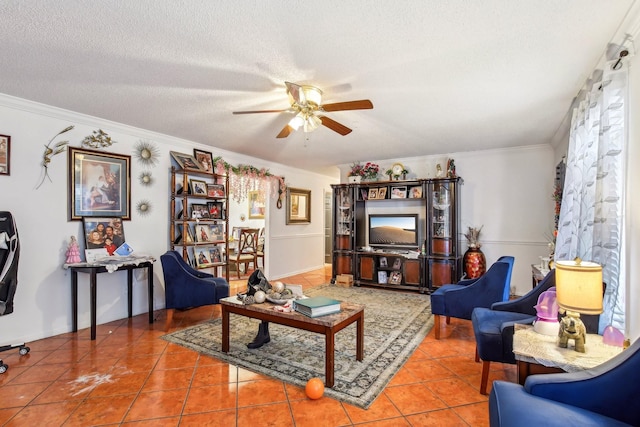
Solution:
(297, 121)
(312, 94)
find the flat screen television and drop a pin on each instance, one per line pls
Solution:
(393, 230)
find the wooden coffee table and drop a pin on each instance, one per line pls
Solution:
(327, 325)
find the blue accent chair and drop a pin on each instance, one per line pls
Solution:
(186, 287)
(458, 300)
(493, 327)
(606, 395)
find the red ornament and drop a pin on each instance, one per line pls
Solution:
(314, 388)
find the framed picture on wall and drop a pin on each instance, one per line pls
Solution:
(99, 184)
(5, 152)
(298, 206)
(256, 205)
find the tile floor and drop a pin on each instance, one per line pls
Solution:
(128, 376)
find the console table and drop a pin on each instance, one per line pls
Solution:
(127, 264)
(539, 354)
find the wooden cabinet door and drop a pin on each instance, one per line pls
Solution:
(342, 263)
(412, 271)
(441, 272)
(367, 268)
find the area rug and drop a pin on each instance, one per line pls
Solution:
(395, 324)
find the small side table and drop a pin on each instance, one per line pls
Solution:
(537, 274)
(539, 354)
(96, 268)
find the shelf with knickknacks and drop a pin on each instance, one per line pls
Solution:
(396, 171)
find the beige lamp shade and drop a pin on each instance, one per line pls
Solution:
(579, 286)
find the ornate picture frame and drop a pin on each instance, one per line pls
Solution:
(5, 154)
(298, 206)
(99, 184)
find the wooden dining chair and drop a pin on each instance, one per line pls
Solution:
(246, 251)
(260, 247)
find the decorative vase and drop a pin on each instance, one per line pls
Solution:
(475, 264)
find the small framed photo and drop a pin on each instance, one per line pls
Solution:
(216, 210)
(382, 277)
(5, 151)
(103, 233)
(373, 194)
(415, 193)
(395, 278)
(203, 258)
(383, 262)
(199, 211)
(216, 232)
(214, 255)
(215, 190)
(397, 264)
(203, 234)
(205, 159)
(186, 161)
(398, 192)
(198, 188)
(364, 194)
(382, 193)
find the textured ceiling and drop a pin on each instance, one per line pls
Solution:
(444, 76)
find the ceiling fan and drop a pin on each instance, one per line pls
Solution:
(306, 104)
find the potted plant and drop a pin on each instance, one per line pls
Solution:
(368, 172)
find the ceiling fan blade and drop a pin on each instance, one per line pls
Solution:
(285, 132)
(335, 126)
(296, 92)
(262, 111)
(363, 104)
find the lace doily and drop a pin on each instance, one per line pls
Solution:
(530, 346)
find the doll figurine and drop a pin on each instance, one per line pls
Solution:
(73, 253)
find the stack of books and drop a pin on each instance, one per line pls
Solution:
(316, 306)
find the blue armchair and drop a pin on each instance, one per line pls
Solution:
(186, 287)
(493, 328)
(458, 300)
(603, 396)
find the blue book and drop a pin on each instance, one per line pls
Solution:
(316, 306)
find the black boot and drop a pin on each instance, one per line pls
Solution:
(262, 337)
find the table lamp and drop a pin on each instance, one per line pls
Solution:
(578, 290)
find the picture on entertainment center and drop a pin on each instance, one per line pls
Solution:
(393, 230)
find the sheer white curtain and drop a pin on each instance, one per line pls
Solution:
(591, 214)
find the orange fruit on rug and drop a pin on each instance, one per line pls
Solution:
(314, 388)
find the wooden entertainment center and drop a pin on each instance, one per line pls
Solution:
(433, 257)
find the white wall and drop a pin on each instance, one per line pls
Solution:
(507, 192)
(43, 298)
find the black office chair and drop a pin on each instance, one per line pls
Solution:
(9, 254)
